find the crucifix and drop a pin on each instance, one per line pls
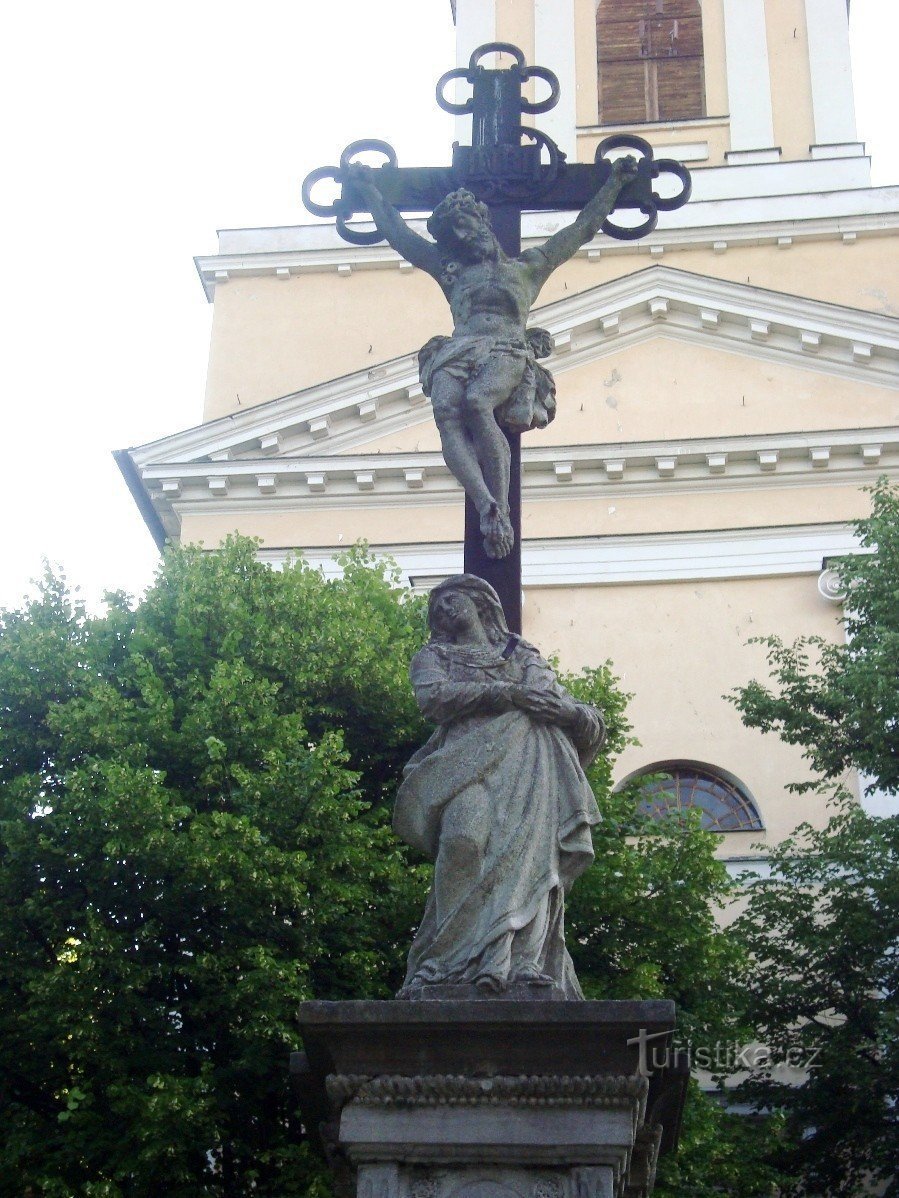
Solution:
(485, 382)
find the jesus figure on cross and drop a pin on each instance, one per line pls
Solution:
(486, 377)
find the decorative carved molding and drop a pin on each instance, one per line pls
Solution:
(830, 587)
(548, 1187)
(608, 1092)
(423, 1187)
(851, 343)
(818, 214)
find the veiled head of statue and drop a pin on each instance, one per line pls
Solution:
(460, 225)
(484, 598)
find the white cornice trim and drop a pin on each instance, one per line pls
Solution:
(593, 561)
(601, 473)
(720, 236)
(338, 416)
(729, 220)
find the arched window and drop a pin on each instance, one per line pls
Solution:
(649, 55)
(674, 786)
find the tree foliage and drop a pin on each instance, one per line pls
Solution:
(823, 931)
(645, 922)
(823, 993)
(840, 702)
(193, 840)
(195, 796)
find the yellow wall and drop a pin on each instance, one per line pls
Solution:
(715, 132)
(678, 647)
(791, 82)
(612, 509)
(673, 509)
(515, 24)
(272, 337)
(678, 679)
(666, 388)
(862, 274)
(716, 101)
(331, 525)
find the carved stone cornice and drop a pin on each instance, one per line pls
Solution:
(605, 1092)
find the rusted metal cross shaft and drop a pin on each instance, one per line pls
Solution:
(504, 169)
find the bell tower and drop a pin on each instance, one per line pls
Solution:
(712, 82)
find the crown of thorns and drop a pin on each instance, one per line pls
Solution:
(461, 201)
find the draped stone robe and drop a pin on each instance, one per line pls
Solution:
(517, 786)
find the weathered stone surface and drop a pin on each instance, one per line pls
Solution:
(460, 1100)
(605, 1091)
(466, 992)
(486, 377)
(481, 1039)
(412, 1181)
(497, 798)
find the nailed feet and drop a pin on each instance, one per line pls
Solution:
(496, 529)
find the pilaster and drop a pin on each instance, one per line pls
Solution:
(748, 82)
(475, 25)
(833, 102)
(554, 32)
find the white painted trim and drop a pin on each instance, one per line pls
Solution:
(688, 151)
(736, 316)
(475, 25)
(686, 458)
(758, 868)
(554, 48)
(690, 124)
(752, 157)
(787, 458)
(840, 149)
(766, 222)
(605, 561)
(730, 204)
(332, 483)
(767, 178)
(833, 101)
(748, 75)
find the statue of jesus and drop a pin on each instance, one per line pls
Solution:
(486, 377)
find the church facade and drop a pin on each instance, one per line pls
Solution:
(727, 386)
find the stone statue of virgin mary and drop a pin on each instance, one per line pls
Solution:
(497, 798)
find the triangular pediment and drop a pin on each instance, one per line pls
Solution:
(347, 413)
(363, 419)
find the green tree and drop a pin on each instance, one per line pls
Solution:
(193, 840)
(645, 922)
(823, 931)
(195, 796)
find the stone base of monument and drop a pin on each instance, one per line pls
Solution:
(490, 1098)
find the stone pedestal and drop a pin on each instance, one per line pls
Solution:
(491, 1098)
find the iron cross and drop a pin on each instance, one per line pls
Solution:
(504, 169)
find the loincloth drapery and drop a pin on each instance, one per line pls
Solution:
(533, 402)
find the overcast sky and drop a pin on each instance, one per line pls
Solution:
(133, 132)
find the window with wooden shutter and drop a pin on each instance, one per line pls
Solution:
(649, 60)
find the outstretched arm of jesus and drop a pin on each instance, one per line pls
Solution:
(563, 245)
(417, 250)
